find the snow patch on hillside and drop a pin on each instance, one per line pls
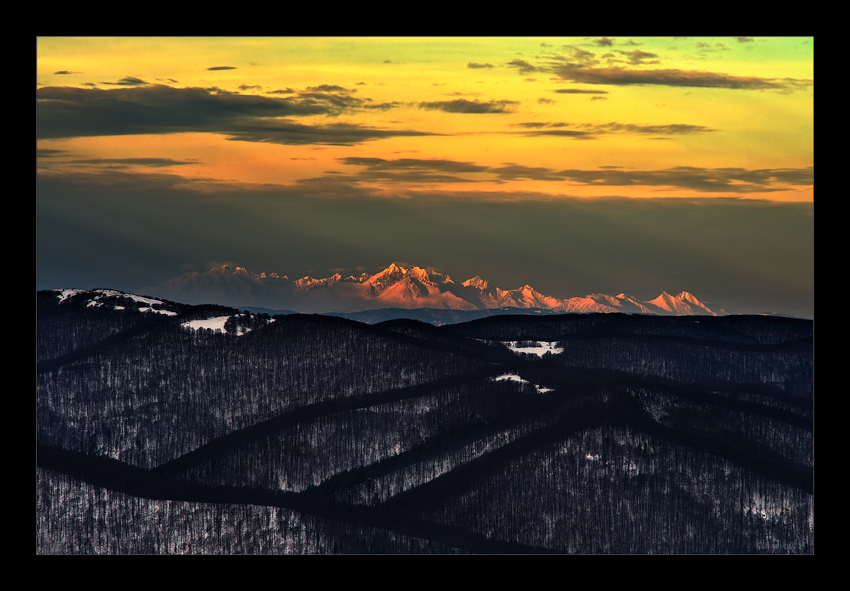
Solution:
(516, 378)
(216, 324)
(539, 348)
(64, 294)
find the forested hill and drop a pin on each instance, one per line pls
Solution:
(168, 428)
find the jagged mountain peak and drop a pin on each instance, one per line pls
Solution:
(683, 304)
(476, 282)
(399, 285)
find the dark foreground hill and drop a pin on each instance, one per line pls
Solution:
(166, 428)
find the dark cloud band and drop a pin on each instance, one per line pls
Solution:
(674, 77)
(65, 112)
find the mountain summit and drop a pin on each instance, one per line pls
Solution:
(397, 286)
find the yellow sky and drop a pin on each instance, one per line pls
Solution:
(651, 105)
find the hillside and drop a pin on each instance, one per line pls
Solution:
(172, 428)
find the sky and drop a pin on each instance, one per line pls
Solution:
(575, 165)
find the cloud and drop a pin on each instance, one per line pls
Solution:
(466, 106)
(64, 112)
(290, 133)
(586, 130)
(574, 55)
(603, 41)
(476, 66)
(674, 77)
(672, 128)
(65, 72)
(573, 133)
(745, 39)
(46, 153)
(579, 91)
(524, 66)
(411, 170)
(512, 172)
(736, 181)
(127, 81)
(329, 88)
(126, 162)
(222, 68)
(638, 57)
(710, 180)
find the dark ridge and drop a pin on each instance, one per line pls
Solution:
(522, 407)
(426, 338)
(123, 478)
(620, 412)
(107, 343)
(685, 340)
(306, 413)
(431, 494)
(743, 329)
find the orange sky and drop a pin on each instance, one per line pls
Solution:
(576, 165)
(707, 104)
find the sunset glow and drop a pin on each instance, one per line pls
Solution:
(596, 163)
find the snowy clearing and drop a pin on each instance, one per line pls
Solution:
(539, 348)
(216, 324)
(515, 378)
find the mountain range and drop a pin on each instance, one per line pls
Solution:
(398, 286)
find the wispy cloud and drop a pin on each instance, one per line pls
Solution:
(585, 130)
(674, 77)
(579, 91)
(127, 81)
(637, 57)
(711, 180)
(64, 112)
(738, 181)
(127, 162)
(524, 66)
(412, 170)
(467, 106)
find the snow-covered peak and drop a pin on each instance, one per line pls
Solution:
(272, 276)
(683, 304)
(398, 285)
(305, 281)
(688, 297)
(419, 273)
(476, 282)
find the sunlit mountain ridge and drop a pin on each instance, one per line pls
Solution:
(398, 286)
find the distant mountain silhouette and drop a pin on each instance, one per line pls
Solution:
(397, 286)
